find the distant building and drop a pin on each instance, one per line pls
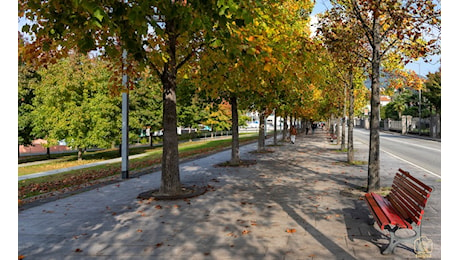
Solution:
(384, 100)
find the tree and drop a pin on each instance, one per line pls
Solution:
(390, 26)
(72, 102)
(433, 90)
(145, 105)
(163, 35)
(26, 77)
(342, 38)
(237, 66)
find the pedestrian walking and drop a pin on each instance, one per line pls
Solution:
(308, 127)
(293, 133)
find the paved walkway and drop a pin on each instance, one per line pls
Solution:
(293, 204)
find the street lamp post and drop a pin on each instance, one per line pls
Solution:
(125, 122)
(419, 112)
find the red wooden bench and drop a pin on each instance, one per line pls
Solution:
(402, 208)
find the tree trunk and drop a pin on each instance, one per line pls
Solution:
(351, 115)
(261, 141)
(285, 125)
(344, 118)
(170, 175)
(275, 142)
(79, 154)
(235, 160)
(373, 182)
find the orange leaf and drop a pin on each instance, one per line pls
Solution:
(21, 257)
(292, 230)
(245, 232)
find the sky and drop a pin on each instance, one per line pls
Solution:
(419, 66)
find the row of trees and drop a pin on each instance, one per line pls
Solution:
(380, 33)
(71, 100)
(255, 54)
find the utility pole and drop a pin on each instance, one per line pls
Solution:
(124, 120)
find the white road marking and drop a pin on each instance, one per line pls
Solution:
(424, 147)
(397, 157)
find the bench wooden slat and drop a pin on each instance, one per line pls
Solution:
(410, 181)
(392, 214)
(386, 214)
(426, 187)
(404, 185)
(404, 207)
(377, 213)
(406, 199)
(413, 207)
(417, 192)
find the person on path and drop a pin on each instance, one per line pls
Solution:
(308, 126)
(293, 133)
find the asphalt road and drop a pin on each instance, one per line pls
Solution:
(422, 153)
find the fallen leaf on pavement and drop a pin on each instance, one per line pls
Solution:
(292, 230)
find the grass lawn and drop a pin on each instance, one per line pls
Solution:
(77, 179)
(69, 160)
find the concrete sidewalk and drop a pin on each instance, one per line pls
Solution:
(295, 203)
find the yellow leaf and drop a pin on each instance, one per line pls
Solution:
(267, 67)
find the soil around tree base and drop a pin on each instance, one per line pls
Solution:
(186, 192)
(242, 163)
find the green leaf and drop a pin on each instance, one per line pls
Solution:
(222, 10)
(251, 51)
(99, 14)
(216, 43)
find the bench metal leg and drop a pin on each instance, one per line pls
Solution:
(396, 240)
